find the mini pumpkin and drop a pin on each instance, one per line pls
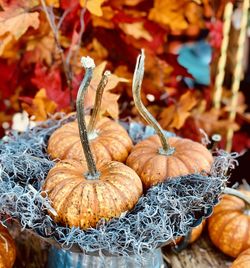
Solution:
(243, 260)
(191, 237)
(84, 192)
(108, 139)
(229, 225)
(157, 158)
(7, 249)
(196, 232)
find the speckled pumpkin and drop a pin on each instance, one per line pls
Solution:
(81, 202)
(109, 141)
(7, 249)
(153, 167)
(229, 226)
(243, 260)
(84, 192)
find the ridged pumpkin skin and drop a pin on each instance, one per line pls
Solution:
(7, 249)
(82, 203)
(229, 225)
(243, 260)
(111, 142)
(152, 167)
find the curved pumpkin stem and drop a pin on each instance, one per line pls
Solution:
(238, 194)
(89, 65)
(98, 101)
(136, 89)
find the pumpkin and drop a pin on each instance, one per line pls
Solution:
(7, 249)
(84, 192)
(196, 232)
(229, 225)
(243, 260)
(157, 158)
(108, 139)
(190, 238)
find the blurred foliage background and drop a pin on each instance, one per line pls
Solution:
(42, 41)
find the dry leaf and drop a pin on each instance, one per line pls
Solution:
(40, 106)
(136, 30)
(178, 15)
(169, 13)
(176, 114)
(105, 20)
(41, 49)
(211, 122)
(109, 104)
(13, 24)
(53, 3)
(93, 6)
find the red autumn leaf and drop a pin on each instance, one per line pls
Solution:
(52, 84)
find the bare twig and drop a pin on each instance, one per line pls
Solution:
(55, 29)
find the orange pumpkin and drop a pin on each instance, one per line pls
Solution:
(82, 193)
(82, 202)
(243, 260)
(157, 158)
(229, 225)
(7, 249)
(194, 235)
(108, 139)
(196, 232)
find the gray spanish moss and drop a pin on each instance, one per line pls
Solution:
(168, 209)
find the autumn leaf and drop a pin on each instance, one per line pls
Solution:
(105, 20)
(212, 122)
(176, 114)
(136, 30)
(109, 104)
(93, 6)
(39, 107)
(13, 24)
(54, 3)
(169, 13)
(53, 85)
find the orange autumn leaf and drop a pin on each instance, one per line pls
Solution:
(40, 106)
(105, 20)
(136, 30)
(109, 104)
(13, 24)
(93, 6)
(212, 122)
(54, 3)
(176, 114)
(169, 13)
(176, 14)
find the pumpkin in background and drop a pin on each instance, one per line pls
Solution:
(229, 225)
(196, 232)
(108, 139)
(243, 260)
(7, 249)
(157, 158)
(82, 193)
(192, 237)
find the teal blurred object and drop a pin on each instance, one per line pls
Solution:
(60, 258)
(196, 59)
